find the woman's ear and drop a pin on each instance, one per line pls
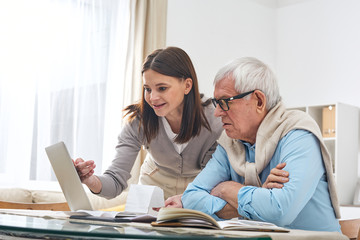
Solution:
(188, 85)
(261, 101)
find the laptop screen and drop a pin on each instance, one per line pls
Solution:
(68, 177)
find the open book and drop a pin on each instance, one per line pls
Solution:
(180, 217)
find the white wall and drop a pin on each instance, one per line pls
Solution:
(318, 51)
(214, 32)
(312, 45)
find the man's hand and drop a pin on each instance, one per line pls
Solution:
(228, 191)
(277, 177)
(227, 212)
(174, 201)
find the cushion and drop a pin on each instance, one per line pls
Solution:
(15, 195)
(43, 196)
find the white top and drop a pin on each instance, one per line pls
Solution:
(178, 147)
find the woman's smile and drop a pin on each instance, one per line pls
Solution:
(158, 106)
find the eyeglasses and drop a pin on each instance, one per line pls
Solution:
(224, 102)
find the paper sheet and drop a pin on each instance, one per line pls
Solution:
(142, 198)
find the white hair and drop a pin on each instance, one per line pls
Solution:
(251, 74)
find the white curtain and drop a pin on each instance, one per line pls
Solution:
(147, 32)
(62, 66)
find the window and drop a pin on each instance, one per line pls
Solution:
(56, 62)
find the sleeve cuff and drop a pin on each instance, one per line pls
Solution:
(244, 201)
(218, 204)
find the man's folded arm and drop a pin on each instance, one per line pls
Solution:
(282, 206)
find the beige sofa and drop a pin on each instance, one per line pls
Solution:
(21, 195)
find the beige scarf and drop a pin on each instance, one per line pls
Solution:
(276, 124)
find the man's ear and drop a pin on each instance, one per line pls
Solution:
(188, 85)
(260, 100)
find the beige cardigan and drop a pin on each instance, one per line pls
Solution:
(276, 124)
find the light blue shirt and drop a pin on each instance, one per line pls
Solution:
(303, 203)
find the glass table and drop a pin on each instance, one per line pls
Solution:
(28, 227)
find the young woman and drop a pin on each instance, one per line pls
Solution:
(172, 121)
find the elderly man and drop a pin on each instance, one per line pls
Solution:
(260, 134)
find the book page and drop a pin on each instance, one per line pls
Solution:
(182, 214)
(250, 225)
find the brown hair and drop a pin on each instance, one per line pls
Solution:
(174, 62)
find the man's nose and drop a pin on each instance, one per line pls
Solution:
(218, 111)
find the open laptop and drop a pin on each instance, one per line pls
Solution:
(68, 177)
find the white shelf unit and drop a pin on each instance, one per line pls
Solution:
(343, 147)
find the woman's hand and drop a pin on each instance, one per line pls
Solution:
(85, 170)
(277, 177)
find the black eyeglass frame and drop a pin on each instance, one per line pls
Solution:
(221, 102)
